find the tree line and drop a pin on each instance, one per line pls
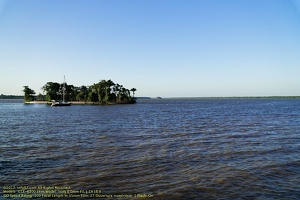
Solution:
(2, 96)
(105, 91)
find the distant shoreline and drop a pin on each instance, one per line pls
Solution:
(148, 98)
(2, 96)
(237, 97)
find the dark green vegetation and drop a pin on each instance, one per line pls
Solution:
(103, 92)
(28, 94)
(2, 96)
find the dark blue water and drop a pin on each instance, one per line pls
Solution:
(171, 148)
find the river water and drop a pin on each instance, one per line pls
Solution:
(167, 149)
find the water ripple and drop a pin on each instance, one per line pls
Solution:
(176, 148)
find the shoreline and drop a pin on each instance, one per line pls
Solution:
(83, 102)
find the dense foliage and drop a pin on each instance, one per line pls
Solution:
(105, 91)
(28, 94)
(2, 96)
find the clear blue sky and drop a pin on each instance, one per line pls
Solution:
(168, 48)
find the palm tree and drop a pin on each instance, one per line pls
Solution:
(92, 93)
(133, 90)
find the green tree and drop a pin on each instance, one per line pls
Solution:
(52, 90)
(110, 95)
(117, 90)
(93, 95)
(82, 93)
(40, 97)
(70, 92)
(104, 91)
(133, 91)
(101, 90)
(124, 94)
(28, 94)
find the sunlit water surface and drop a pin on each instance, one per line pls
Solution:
(170, 148)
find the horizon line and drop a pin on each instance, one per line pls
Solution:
(191, 97)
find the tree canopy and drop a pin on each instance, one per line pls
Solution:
(105, 91)
(28, 94)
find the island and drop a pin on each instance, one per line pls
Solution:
(105, 92)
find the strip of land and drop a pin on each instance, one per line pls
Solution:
(81, 103)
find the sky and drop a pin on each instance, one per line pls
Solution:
(166, 48)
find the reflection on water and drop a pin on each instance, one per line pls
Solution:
(172, 149)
